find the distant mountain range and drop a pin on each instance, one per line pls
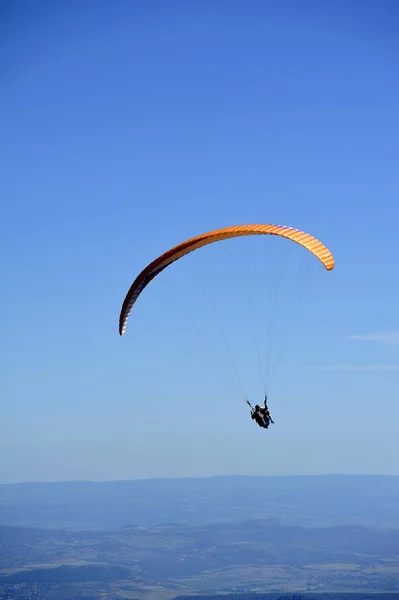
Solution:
(238, 536)
(313, 501)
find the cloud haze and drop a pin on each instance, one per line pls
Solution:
(351, 367)
(390, 337)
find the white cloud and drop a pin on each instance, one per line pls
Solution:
(390, 337)
(351, 367)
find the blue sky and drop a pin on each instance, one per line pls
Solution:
(129, 127)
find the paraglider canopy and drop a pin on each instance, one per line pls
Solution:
(159, 264)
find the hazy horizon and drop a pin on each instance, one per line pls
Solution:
(203, 477)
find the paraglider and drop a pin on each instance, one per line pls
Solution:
(261, 415)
